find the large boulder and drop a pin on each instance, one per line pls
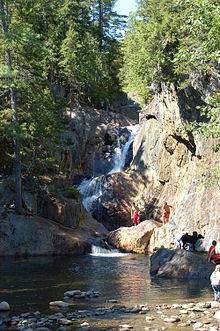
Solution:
(22, 235)
(133, 239)
(180, 264)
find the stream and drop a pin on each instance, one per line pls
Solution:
(28, 285)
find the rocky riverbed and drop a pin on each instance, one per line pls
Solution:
(199, 316)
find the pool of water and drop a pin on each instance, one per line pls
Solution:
(30, 284)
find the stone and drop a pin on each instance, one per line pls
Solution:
(197, 325)
(172, 319)
(112, 301)
(183, 311)
(217, 315)
(133, 239)
(65, 321)
(72, 293)
(85, 325)
(204, 304)
(124, 327)
(4, 306)
(180, 264)
(215, 304)
(60, 304)
(149, 318)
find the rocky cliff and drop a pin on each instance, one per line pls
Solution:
(170, 165)
(177, 167)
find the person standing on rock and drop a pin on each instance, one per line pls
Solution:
(215, 282)
(213, 257)
(132, 210)
(166, 212)
(136, 216)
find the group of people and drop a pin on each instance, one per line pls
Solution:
(189, 242)
(135, 213)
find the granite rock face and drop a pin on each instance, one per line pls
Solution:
(133, 239)
(22, 235)
(180, 264)
(90, 139)
(177, 168)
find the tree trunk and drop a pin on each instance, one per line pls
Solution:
(18, 200)
(100, 25)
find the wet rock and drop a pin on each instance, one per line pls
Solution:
(85, 325)
(112, 301)
(180, 264)
(4, 306)
(125, 327)
(65, 321)
(60, 304)
(172, 319)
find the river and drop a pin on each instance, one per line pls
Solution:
(30, 284)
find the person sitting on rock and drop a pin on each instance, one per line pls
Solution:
(213, 257)
(166, 212)
(136, 216)
(190, 242)
(215, 282)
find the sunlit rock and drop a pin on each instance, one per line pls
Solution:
(133, 239)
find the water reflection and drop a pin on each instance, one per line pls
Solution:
(32, 283)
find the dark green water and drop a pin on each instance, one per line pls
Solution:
(30, 284)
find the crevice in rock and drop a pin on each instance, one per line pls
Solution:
(150, 116)
(190, 144)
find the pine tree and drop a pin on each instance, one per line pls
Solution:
(13, 95)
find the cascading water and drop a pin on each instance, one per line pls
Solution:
(102, 252)
(92, 189)
(120, 153)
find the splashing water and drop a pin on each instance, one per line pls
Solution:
(102, 252)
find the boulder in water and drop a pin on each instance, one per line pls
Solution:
(4, 306)
(180, 264)
(133, 239)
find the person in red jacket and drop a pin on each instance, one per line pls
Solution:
(213, 257)
(136, 216)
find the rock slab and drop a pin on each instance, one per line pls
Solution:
(180, 264)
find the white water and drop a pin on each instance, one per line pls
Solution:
(92, 189)
(120, 154)
(102, 252)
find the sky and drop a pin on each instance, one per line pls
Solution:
(123, 7)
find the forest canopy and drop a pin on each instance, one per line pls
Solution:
(167, 41)
(53, 53)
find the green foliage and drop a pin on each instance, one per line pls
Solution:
(168, 40)
(72, 193)
(209, 127)
(56, 60)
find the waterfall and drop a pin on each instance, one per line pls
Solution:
(92, 189)
(120, 154)
(102, 252)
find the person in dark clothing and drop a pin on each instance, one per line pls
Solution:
(190, 241)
